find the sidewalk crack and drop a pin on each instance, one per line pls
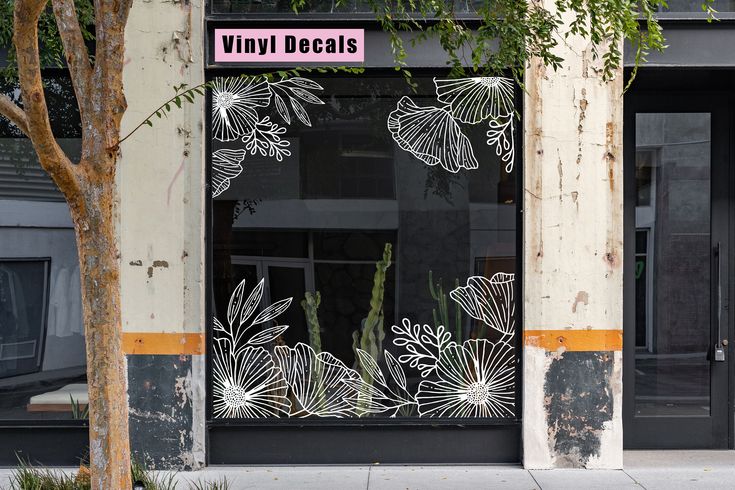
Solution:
(534, 480)
(634, 480)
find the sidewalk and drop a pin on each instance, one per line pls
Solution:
(652, 470)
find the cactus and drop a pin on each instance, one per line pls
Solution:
(442, 318)
(310, 304)
(371, 334)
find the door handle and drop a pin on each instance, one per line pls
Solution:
(720, 344)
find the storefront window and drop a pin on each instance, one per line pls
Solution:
(42, 354)
(364, 248)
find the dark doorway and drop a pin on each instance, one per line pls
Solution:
(677, 261)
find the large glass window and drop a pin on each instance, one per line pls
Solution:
(42, 354)
(364, 248)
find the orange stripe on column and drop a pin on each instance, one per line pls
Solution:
(163, 343)
(575, 340)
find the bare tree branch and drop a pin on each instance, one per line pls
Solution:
(14, 113)
(52, 158)
(77, 56)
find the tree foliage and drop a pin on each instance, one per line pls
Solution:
(484, 37)
(492, 37)
(52, 50)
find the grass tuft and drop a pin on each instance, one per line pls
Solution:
(29, 477)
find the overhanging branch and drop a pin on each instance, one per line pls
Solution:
(14, 113)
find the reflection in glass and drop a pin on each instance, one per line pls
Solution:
(672, 264)
(42, 351)
(386, 241)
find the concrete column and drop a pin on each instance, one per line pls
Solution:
(573, 270)
(161, 230)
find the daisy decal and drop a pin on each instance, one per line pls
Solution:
(472, 100)
(234, 104)
(489, 300)
(247, 384)
(432, 135)
(226, 165)
(476, 379)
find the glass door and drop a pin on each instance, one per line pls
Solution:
(676, 332)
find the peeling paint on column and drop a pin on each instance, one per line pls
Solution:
(161, 233)
(573, 274)
(578, 404)
(161, 432)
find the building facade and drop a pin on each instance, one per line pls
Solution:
(336, 268)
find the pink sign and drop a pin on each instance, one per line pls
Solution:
(289, 45)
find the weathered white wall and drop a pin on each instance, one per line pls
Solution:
(573, 274)
(161, 216)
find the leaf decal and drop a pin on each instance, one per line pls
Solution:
(305, 83)
(272, 311)
(396, 370)
(281, 108)
(307, 96)
(367, 361)
(218, 326)
(300, 112)
(267, 335)
(252, 302)
(233, 308)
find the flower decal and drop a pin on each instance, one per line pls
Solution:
(476, 379)
(226, 165)
(431, 135)
(472, 100)
(247, 384)
(234, 104)
(317, 381)
(489, 300)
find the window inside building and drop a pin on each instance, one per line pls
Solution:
(42, 352)
(364, 248)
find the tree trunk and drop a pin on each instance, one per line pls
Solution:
(109, 444)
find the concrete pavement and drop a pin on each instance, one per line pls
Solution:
(651, 470)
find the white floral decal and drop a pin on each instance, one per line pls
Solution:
(424, 344)
(472, 100)
(234, 104)
(489, 300)
(226, 165)
(252, 378)
(266, 139)
(388, 397)
(433, 135)
(317, 382)
(476, 379)
(247, 384)
(296, 91)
